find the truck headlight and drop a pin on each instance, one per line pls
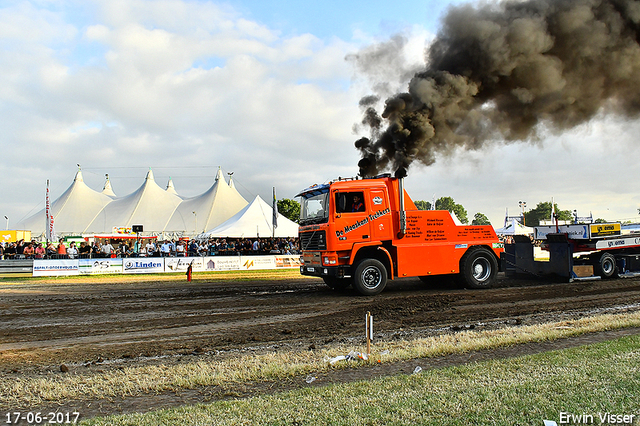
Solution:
(329, 260)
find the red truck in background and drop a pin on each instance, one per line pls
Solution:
(362, 232)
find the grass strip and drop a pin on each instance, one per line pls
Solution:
(593, 380)
(163, 277)
(282, 365)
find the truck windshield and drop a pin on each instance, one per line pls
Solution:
(314, 209)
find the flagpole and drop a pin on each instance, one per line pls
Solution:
(274, 219)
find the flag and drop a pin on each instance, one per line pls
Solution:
(274, 220)
(50, 234)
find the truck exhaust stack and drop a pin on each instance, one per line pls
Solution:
(402, 213)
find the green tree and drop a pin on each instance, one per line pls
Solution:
(480, 219)
(543, 212)
(422, 205)
(289, 209)
(447, 203)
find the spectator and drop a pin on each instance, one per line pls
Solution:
(193, 248)
(180, 249)
(106, 249)
(84, 251)
(10, 251)
(151, 248)
(165, 249)
(72, 251)
(61, 250)
(28, 251)
(20, 247)
(40, 251)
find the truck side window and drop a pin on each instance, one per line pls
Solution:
(347, 202)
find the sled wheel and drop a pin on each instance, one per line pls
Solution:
(606, 266)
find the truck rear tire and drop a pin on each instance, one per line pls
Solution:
(606, 266)
(478, 268)
(336, 283)
(370, 277)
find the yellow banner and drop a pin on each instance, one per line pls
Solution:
(13, 236)
(605, 229)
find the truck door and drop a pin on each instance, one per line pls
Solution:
(380, 215)
(352, 211)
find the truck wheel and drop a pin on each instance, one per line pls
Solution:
(336, 283)
(478, 268)
(606, 266)
(370, 277)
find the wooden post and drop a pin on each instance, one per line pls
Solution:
(369, 331)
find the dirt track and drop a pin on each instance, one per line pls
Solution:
(45, 325)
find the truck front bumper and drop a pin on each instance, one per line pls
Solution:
(342, 271)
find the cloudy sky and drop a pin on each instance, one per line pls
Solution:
(266, 90)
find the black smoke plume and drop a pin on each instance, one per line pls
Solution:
(500, 71)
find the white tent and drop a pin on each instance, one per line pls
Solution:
(72, 211)
(150, 206)
(208, 210)
(255, 220)
(514, 228)
(81, 210)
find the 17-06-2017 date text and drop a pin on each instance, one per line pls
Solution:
(37, 418)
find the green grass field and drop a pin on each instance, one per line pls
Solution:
(594, 380)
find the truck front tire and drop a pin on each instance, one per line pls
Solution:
(478, 268)
(370, 277)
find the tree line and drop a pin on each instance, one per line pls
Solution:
(291, 210)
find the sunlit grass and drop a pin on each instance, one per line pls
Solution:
(595, 379)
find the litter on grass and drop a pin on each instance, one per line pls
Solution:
(352, 356)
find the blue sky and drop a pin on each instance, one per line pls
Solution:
(261, 89)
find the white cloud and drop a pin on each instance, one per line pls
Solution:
(169, 84)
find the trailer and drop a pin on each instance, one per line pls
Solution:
(579, 250)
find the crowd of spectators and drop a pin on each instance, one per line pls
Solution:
(147, 248)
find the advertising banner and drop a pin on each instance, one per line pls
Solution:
(100, 266)
(604, 229)
(257, 262)
(13, 236)
(222, 263)
(181, 264)
(287, 261)
(53, 268)
(143, 265)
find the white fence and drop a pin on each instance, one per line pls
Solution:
(154, 265)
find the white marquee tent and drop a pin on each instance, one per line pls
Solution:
(73, 210)
(514, 228)
(206, 211)
(255, 220)
(82, 210)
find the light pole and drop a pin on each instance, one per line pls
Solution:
(6, 217)
(196, 228)
(523, 205)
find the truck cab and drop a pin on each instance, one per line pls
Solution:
(361, 232)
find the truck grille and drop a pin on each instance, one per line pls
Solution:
(314, 240)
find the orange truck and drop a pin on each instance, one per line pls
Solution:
(361, 232)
